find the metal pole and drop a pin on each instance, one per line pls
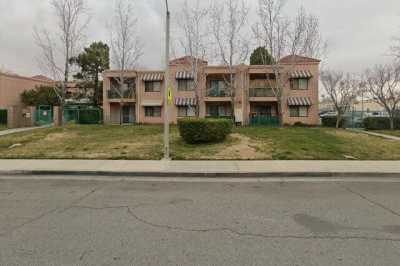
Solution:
(166, 85)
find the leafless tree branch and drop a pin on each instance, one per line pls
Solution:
(383, 84)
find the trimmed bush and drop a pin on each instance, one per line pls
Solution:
(380, 123)
(330, 121)
(194, 130)
(90, 116)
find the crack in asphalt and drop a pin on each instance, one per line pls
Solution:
(54, 210)
(373, 202)
(130, 211)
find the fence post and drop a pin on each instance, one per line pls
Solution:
(12, 117)
(57, 116)
(32, 110)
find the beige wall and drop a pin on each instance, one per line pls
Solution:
(242, 85)
(11, 87)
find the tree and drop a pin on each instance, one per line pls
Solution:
(341, 90)
(261, 56)
(228, 21)
(194, 40)
(395, 47)
(125, 44)
(41, 95)
(383, 83)
(92, 62)
(58, 47)
(281, 36)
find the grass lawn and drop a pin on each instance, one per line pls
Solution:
(145, 142)
(395, 133)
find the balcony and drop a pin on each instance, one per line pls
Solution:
(114, 94)
(262, 95)
(262, 92)
(216, 92)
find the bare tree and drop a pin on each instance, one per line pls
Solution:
(58, 47)
(282, 36)
(341, 90)
(125, 45)
(395, 48)
(228, 22)
(383, 83)
(194, 40)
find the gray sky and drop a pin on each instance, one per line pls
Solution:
(359, 32)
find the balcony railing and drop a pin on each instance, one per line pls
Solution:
(218, 93)
(262, 92)
(115, 94)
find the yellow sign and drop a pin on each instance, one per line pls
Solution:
(170, 96)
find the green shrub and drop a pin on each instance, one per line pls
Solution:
(194, 130)
(330, 121)
(90, 116)
(380, 123)
(40, 95)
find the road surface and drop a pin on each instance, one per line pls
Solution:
(65, 222)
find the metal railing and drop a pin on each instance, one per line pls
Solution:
(218, 93)
(262, 92)
(115, 94)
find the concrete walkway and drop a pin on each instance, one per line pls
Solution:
(18, 130)
(375, 134)
(202, 168)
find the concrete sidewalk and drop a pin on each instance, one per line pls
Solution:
(375, 134)
(19, 130)
(202, 168)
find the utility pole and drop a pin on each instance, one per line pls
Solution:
(166, 86)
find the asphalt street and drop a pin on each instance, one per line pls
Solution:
(72, 222)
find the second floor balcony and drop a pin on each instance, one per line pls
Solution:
(261, 92)
(116, 94)
(218, 92)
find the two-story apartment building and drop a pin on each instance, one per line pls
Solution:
(251, 100)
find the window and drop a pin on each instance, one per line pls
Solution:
(152, 111)
(299, 111)
(186, 111)
(299, 84)
(185, 85)
(217, 88)
(152, 86)
(218, 84)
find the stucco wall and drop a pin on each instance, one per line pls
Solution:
(242, 84)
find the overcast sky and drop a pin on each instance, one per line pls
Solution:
(358, 32)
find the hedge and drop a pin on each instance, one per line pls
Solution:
(330, 121)
(90, 116)
(380, 123)
(195, 130)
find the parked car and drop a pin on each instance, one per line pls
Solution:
(328, 114)
(377, 114)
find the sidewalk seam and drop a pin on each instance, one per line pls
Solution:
(327, 174)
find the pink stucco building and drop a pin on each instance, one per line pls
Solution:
(253, 100)
(11, 87)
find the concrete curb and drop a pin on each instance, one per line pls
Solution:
(202, 174)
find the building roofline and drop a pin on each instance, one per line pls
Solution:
(12, 75)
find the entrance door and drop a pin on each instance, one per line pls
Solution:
(44, 115)
(128, 114)
(263, 110)
(261, 115)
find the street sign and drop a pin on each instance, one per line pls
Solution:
(170, 96)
